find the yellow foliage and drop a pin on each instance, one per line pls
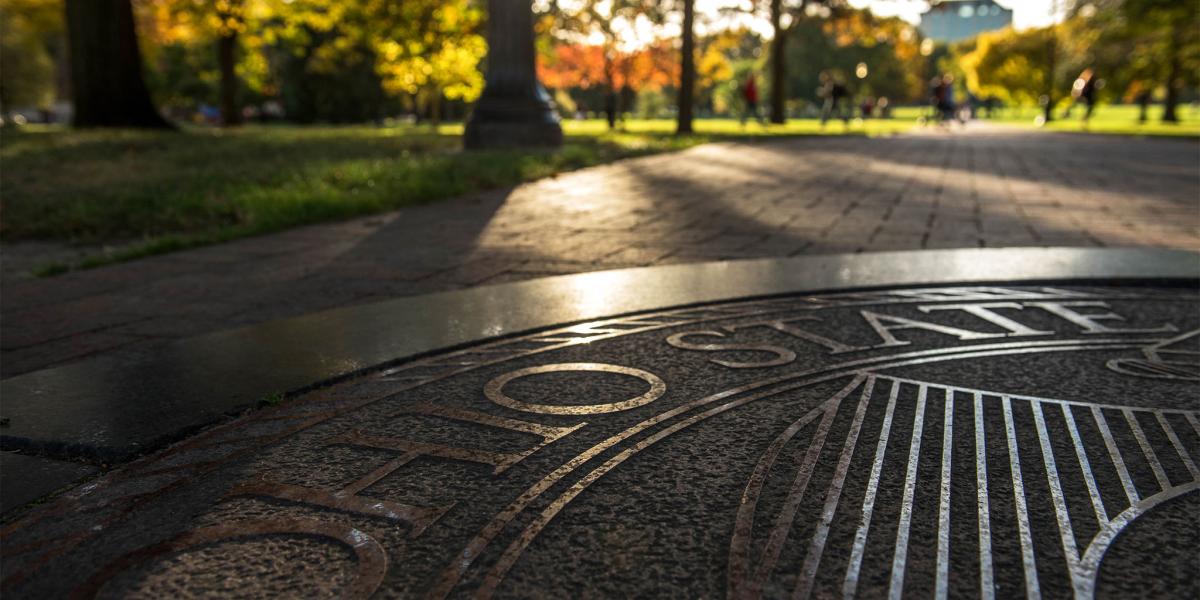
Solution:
(713, 67)
(1009, 64)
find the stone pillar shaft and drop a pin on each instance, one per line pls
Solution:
(514, 109)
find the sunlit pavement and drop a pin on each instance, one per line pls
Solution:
(978, 187)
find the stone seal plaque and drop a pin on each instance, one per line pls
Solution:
(970, 441)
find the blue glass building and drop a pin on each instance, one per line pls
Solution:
(954, 20)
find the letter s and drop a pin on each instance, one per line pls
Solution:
(783, 356)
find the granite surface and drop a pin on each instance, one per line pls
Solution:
(989, 441)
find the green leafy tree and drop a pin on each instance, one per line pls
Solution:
(1010, 65)
(1154, 40)
(785, 17)
(30, 31)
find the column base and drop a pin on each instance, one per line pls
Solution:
(482, 134)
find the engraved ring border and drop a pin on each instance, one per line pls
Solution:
(305, 419)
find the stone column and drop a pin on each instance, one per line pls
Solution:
(514, 109)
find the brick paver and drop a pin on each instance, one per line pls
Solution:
(973, 188)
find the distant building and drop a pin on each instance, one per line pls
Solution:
(954, 20)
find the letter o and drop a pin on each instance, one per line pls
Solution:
(494, 390)
(372, 559)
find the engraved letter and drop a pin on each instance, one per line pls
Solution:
(1089, 321)
(835, 347)
(494, 390)
(418, 518)
(884, 324)
(985, 312)
(783, 356)
(371, 559)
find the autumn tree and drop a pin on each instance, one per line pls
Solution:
(1160, 39)
(30, 31)
(425, 50)
(583, 67)
(1010, 65)
(888, 46)
(783, 16)
(218, 23)
(430, 47)
(615, 22)
(714, 63)
(107, 87)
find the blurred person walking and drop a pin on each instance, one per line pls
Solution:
(941, 98)
(1084, 90)
(1143, 94)
(835, 94)
(750, 98)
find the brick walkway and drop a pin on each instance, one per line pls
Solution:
(980, 187)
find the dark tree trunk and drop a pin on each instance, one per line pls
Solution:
(231, 114)
(687, 69)
(1174, 74)
(435, 107)
(107, 88)
(1052, 58)
(610, 90)
(610, 107)
(778, 69)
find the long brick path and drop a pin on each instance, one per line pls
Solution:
(972, 188)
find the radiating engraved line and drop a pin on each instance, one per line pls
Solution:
(943, 549)
(1183, 454)
(1191, 417)
(812, 558)
(1087, 405)
(455, 570)
(58, 507)
(1014, 462)
(493, 578)
(987, 586)
(1151, 457)
(906, 506)
(1065, 532)
(1085, 467)
(739, 546)
(1114, 454)
(860, 537)
(787, 515)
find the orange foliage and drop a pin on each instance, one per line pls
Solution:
(584, 66)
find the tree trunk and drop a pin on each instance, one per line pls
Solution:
(687, 69)
(1174, 74)
(231, 114)
(435, 107)
(778, 70)
(107, 88)
(1052, 51)
(610, 90)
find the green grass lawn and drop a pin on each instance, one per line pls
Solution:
(1111, 119)
(135, 193)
